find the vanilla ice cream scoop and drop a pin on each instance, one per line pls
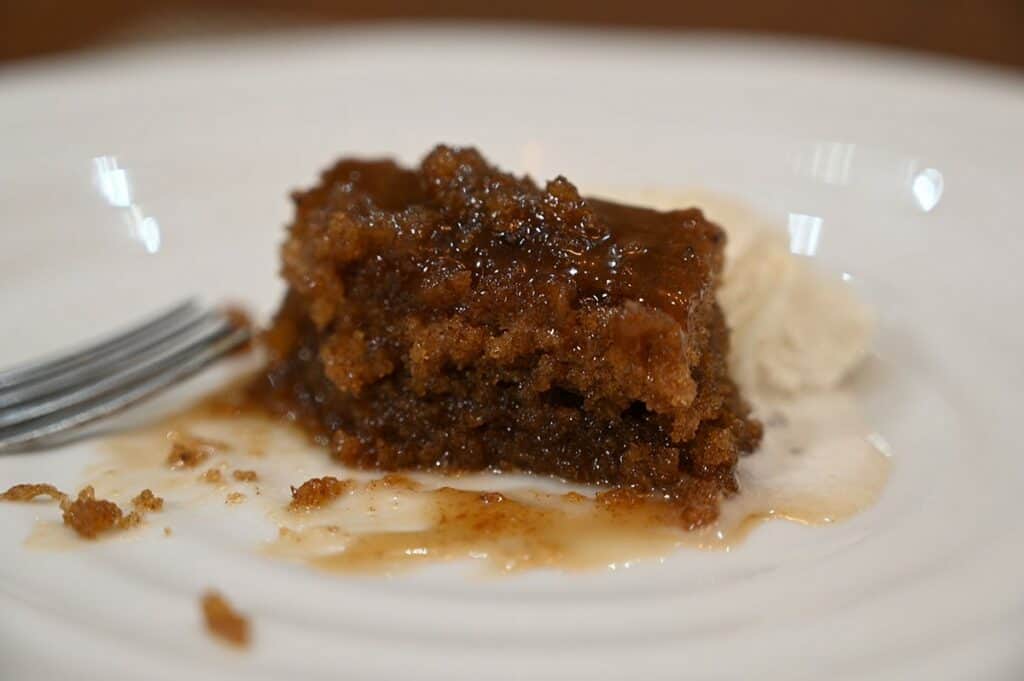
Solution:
(794, 328)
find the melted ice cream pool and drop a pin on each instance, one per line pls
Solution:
(796, 336)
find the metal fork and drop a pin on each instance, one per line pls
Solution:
(44, 399)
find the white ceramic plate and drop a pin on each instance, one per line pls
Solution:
(910, 170)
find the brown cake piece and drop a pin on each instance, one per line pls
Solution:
(457, 317)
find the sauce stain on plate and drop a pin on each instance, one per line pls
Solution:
(818, 464)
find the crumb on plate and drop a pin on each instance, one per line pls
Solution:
(318, 492)
(91, 517)
(29, 491)
(147, 501)
(188, 451)
(88, 516)
(212, 476)
(223, 622)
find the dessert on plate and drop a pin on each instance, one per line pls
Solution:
(455, 317)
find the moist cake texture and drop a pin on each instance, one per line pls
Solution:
(456, 317)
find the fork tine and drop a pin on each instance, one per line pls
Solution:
(37, 370)
(80, 368)
(208, 328)
(175, 367)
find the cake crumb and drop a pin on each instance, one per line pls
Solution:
(188, 451)
(132, 519)
(29, 491)
(234, 498)
(245, 476)
(317, 492)
(183, 456)
(168, 532)
(223, 622)
(212, 476)
(90, 517)
(147, 501)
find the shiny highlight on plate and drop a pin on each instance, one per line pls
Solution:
(804, 233)
(927, 187)
(828, 162)
(114, 185)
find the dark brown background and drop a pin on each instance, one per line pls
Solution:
(986, 30)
